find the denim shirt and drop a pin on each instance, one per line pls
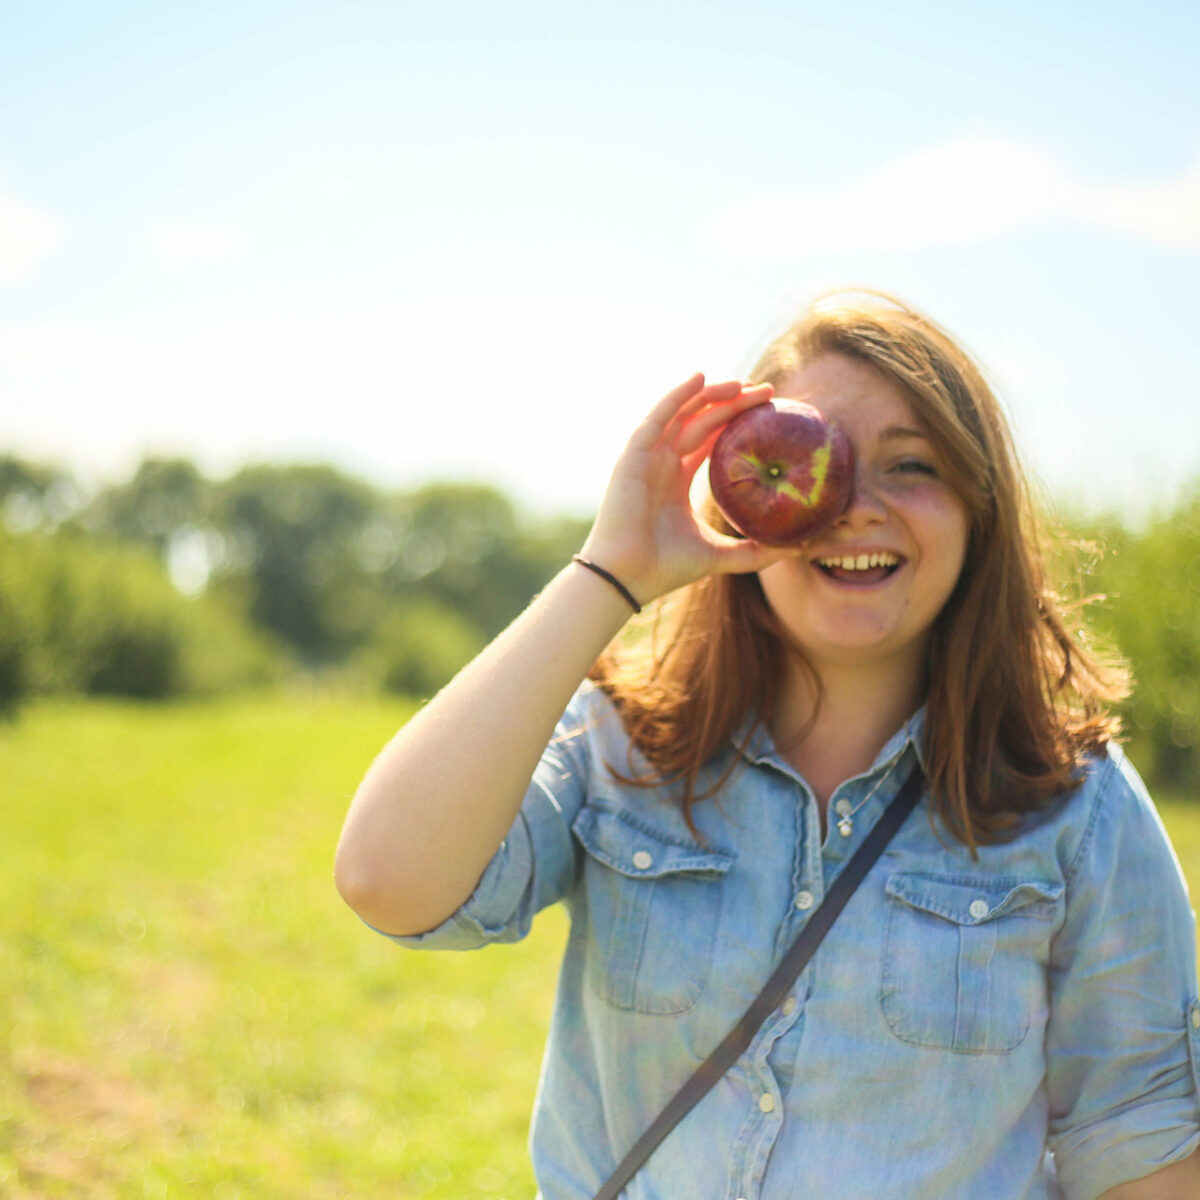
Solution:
(1017, 1027)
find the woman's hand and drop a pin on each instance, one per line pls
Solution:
(647, 533)
(443, 794)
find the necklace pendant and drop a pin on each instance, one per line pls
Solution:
(845, 825)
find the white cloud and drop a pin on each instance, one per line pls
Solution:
(184, 241)
(1166, 212)
(27, 236)
(964, 190)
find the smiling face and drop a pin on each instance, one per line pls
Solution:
(868, 589)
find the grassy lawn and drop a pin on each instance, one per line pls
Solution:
(187, 1008)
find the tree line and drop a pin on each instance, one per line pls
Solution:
(172, 583)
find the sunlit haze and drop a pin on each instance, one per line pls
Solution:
(446, 240)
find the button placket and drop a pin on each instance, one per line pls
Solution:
(1193, 1020)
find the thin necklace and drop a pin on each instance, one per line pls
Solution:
(845, 821)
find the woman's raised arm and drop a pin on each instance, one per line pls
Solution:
(436, 804)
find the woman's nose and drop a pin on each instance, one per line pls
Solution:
(866, 503)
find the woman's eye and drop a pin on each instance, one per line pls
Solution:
(915, 466)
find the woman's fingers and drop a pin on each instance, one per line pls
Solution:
(712, 393)
(743, 557)
(691, 463)
(715, 405)
(679, 406)
(646, 529)
(650, 430)
(703, 428)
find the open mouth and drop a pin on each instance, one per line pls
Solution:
(859, 568)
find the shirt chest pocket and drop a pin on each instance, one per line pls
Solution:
(653, 907)
(964, 962)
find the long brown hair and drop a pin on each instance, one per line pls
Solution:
(1015, 699)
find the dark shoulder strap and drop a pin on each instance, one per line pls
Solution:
(774, 990)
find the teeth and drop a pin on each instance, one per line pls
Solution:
(861, 562)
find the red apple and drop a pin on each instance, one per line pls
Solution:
(781, 473)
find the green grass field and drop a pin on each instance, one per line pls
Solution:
(186, 1007)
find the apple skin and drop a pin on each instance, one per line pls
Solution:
(781, 473)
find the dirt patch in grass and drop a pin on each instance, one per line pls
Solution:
(75, 1117)
(70, 1092)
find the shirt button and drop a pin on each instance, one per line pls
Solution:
(643, 860)
(979, 909)
(843, 808)
(789, 1006)
(804, 901)
(766, 1102)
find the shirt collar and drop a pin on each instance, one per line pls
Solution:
(754, 742)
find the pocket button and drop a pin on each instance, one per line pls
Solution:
(979, 909)
(643, 860)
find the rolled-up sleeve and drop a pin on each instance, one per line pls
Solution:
(1122, 1043)
(536, 863)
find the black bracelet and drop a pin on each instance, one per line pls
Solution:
(608, 575)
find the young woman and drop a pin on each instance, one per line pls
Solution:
(1007, 1007)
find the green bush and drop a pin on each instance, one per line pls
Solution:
(1151, 580)
(418, 647)
(87, 617)
(223, 652)
(15, 635)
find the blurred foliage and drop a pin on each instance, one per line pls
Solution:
(164, 500)
(418, 647)
(34, 495)
(172, 582)
(288, 535)
(81, 616)
(1150, 579)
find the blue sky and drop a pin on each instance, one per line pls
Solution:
(477, 241)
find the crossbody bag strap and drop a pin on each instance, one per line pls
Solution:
(774, 990)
